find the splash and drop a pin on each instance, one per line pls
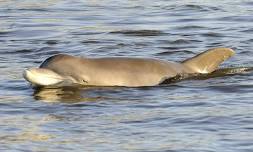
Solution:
(217, 73)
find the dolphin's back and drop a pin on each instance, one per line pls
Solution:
(55, 58)
(119, 71)
(113, 71)
(129, 71)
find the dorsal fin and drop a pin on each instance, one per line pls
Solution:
(209, 60)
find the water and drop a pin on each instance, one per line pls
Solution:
(214, 114)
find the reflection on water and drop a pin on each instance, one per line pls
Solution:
(64, 94)
(57, 94)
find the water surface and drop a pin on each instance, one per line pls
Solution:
(208, 114)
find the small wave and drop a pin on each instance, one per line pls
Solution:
(90, 42)
(32, 9)
(180, 41)
(245, 18)
(199, 8)
(174, 52)
(24, 51)
(249, 30)
(217, 73)
(139, 32)
(4, 33)
(52, 42)
(34, 53)
(212, 34)
(231, 71)
(248, 3)
(190, 27)
(204, 7)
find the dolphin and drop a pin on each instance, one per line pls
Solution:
(67, 70)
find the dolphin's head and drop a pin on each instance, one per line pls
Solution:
(43, 77)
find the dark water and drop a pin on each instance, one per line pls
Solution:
(214, 114)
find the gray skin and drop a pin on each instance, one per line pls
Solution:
(114, 71)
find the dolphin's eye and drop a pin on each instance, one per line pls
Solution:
(85, 81)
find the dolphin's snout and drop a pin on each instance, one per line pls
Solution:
(42, 77)
(27, 74)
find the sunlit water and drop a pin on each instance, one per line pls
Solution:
(208, 114)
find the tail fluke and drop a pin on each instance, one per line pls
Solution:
(209, 60)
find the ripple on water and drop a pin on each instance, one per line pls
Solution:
(30, 54)
(246, 18)
(187, 8)
(90, 41)
(190, 27)
(52, 42)
(31, 34)
(212, 34)
(180, 41)
(139, 32)
(171, 52)
(4, 33)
